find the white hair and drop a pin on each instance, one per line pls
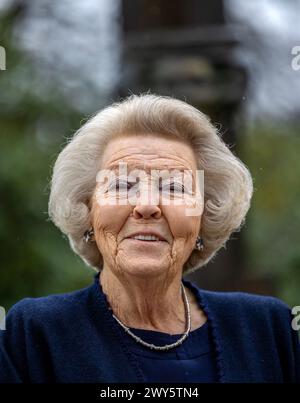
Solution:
(228, 186)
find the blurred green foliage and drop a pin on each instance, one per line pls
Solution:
(273, 229)
(35, 258)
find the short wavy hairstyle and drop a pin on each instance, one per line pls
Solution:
(228, 185)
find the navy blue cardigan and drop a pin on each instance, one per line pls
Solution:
(73, 337)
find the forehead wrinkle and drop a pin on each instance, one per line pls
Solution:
(145, 163)
(145, 145)
(162, 170)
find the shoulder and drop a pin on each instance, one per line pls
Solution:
(247, 305)
(252, 314)
(47, 309)
(244, 306)
(248, 301)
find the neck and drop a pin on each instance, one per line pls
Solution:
(146, 303)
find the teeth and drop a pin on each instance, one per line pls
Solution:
(146, 237)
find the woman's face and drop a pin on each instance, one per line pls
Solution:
(116, 223)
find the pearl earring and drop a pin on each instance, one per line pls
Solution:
(88, 235)
(199, 244)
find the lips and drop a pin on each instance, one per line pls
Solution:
(155, 234)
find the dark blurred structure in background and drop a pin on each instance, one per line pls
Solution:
(231, 59)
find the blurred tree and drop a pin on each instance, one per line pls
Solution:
(273, 236)
(35, 258)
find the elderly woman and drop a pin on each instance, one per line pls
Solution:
(147, 192)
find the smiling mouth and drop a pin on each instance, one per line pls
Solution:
(146, 239)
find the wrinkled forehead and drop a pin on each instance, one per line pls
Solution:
(153, 170)
(148, 153)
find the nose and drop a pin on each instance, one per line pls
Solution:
(147, 203)
(146, 211)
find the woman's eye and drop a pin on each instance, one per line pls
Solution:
(173, 187)
(120, 185)
(176, 187)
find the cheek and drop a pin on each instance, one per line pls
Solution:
(184, 230)
(181, 225)
(107, 222)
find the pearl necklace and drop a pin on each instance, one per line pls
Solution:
(167, 346)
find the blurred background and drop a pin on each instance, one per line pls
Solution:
(236, 60)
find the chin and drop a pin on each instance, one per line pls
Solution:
(145, 270)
